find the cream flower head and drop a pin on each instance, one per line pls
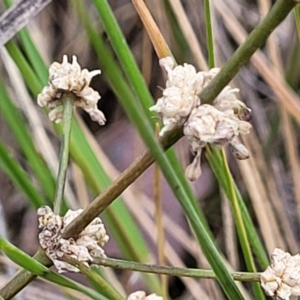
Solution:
(219, 124)
(87, 245)
(282, 278)
(68, 77)
(180, 95)
(206, 124)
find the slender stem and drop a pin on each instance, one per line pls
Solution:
(172, 271)
(23, 277)
(241, 227)
(242, 55)
(209, 34)
(230, 183)
(68, 101)
(233, 196)
(158, 213)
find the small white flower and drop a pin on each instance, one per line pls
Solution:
(282, 278)
(88, 244)
(70, 78)
(141, 295)
(207, 124)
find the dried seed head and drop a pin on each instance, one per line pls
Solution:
(282, 278)
(180, 96)
(207, 124)
(70, 78)
(218, 124)
(88, 244)
(141, 295)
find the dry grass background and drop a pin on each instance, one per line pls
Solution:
(269, 180)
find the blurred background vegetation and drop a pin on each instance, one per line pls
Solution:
(269, 180)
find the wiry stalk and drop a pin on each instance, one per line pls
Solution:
(68, 101)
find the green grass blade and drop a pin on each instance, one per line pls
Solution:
(101, 283)
(34, 57)
(37, 63)
(209, 34)
(19, 129)
(120, 87)
(20, 179)
(215, 160)
(30, 264)
(28, 74)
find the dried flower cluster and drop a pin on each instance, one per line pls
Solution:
(69, 78)
(89, 242)
(282, 278)
(141, 295)
(218, 124)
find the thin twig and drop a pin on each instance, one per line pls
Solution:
(172, 271)
(159, 220)
(158, 41)
(68, 102)
(242, 55)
